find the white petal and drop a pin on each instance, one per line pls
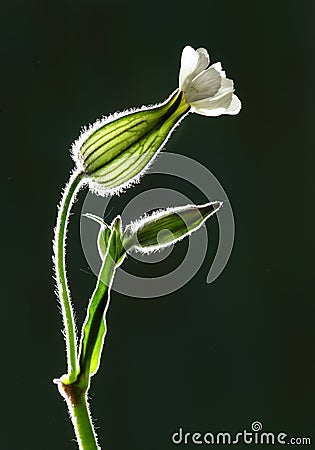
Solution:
(204, 58)
(192, 63)
(223, 97)
(227, 86)
(214, 106)
(218, 67)
(205, 85)
(235, 106)
(209, 112)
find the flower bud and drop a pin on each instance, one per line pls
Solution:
(166, 227)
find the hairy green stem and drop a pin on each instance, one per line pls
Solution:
(83, 426)
(69, 387)
(60, 268)
(76, 399)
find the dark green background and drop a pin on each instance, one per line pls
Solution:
(208, 357)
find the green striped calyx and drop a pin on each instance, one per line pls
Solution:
(114, 152)
(166, 227)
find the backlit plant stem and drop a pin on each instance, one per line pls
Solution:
(65, 205)
(71, 386)
(76, 399)
(75, 393)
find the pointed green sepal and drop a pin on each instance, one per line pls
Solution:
(103, 234)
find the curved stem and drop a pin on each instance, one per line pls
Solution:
(65, 205)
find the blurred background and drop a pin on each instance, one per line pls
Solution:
(209, 357)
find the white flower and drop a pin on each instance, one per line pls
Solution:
(115, 152)
(206, 89)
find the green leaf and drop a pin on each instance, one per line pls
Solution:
(94, 327)
(166, 227)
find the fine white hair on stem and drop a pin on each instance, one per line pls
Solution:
(59, 259)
